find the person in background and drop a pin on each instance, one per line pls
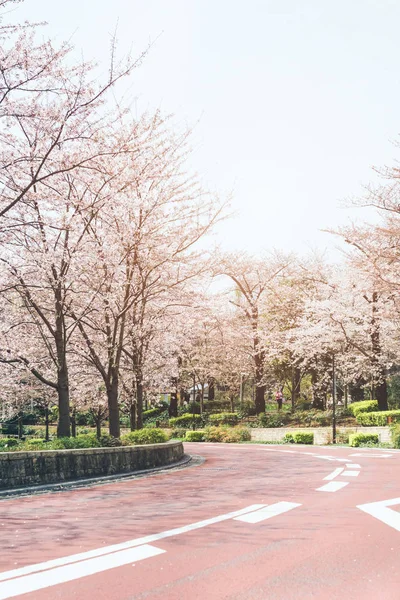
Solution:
(279, 399)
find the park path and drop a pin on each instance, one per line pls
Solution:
(252, 522)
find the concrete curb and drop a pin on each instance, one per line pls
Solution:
(186, 461)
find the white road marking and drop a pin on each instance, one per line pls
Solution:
(351, 473)
(267, 512)
(380, 511)
(38, 581)
(333, 486)
(334, 474)
(373, 455)
(148, 539)
(353, 466)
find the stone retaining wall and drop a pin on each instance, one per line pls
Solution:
(322, 435)
(18, 469)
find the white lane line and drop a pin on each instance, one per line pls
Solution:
(353, 466)
(267, 512)
(369, 455)
(148, 539)
(39, 581)
(334, 474)
(380, 511)
(333, 486)
(351, 473)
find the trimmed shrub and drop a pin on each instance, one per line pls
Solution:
(224, 418)
(178, 433)
(299, 437)
(35, 444)
(303, 437)
(356, 439)
(194, 436)
(227, 435)
(213, 434)
(379, 418)
(272, 420)
(395, 435)
(145, 436)
(342, 437)
(8, 442)
(186, 420)
(364, 406)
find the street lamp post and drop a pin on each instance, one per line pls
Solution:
(194, 401)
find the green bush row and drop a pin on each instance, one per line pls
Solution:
(224, 418)
(364, 406)
(299, 437)
(379, 418)
(142, 436)
(395, 433)
(224, 434)
(145, 436)
(356, 439)
(186, 420)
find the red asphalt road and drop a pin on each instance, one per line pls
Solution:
(324, 549)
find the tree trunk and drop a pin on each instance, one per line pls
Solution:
(113, 408)
(46, 422)
(132, 416)
(296, 381)
(381, 395)
(98, 427)
(260, 399)
(318, 396)
(139, 398)
(202, 399)
(20, 427)
(73, 422)
(173, 406)
(64, 426)
(232, 401)
(211, 389)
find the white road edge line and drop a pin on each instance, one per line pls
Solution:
(74, 558)
(380, 511)
(267, 512)
(39, 581)
(334, 474)
(351, 473)
(333, 486)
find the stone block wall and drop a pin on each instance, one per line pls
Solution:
(322, 435)
(19, 469)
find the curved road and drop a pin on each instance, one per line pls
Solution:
(252, 522)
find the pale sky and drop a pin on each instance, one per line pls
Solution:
(292, 101)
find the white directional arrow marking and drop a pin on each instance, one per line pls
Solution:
(380, 511)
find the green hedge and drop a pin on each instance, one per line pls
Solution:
(299, 437)
(379, 418)
(178, 433)
(224, 418)
(364, 406)
(145, 436)
(186, 420)
(395, 434)
(356, 439)
(8, 442)
(227, 435)
(194, 436)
